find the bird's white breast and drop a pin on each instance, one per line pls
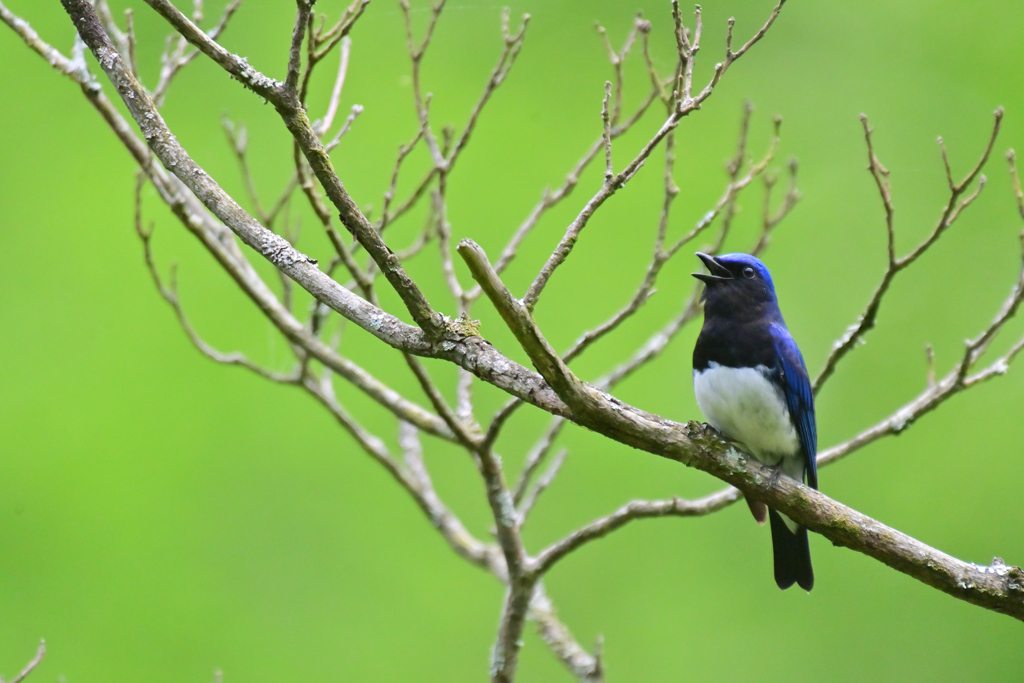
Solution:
(746, 407)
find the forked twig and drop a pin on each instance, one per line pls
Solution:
(685, 105)
(950, 212)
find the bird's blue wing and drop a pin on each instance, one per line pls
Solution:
(796, 385)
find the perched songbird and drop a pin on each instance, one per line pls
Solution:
(752, 386)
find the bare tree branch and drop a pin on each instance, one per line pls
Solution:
(537, 455)
(586, 667)
(726, 208)
(552, 198)
(685, 106)
(632, 511)
(416, 53)
(606, 119)
(530, 499)
(954, 206)
(996, 586)
(302, 17)
(212, 234)
(319, 45)
(513, 43)
(174, 62)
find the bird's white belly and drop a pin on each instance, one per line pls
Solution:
(745, 407)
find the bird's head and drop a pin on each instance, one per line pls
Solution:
(736, 283)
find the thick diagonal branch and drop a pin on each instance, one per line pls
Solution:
(998, 587)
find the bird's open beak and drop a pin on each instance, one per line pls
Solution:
(718, 271)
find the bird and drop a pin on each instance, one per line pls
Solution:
(752, 386)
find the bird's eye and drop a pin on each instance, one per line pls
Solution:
(748, 272)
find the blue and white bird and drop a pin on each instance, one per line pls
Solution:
(752, 386)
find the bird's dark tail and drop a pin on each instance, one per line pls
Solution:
(792, 554)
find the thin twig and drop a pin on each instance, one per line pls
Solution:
(769, 219)
(632, 511)
(169, 294)
(416, 52)
(326, 41)
(513, 43)
(320, 43)
(444, 235)
(470, 440)
(1011, 157)
(444, 162)
(133, 60)
(32, 664)
(551, 198)
(174, 62)
(537, 455)
(238, 139)
(339, 83)
(464, 399)
(530, 499)
(357, 109)
(389, 194)
(962, 376)
(450, 527)
(609, 173)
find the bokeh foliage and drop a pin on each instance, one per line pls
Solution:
(161, 516)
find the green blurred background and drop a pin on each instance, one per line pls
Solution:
(162, 516)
